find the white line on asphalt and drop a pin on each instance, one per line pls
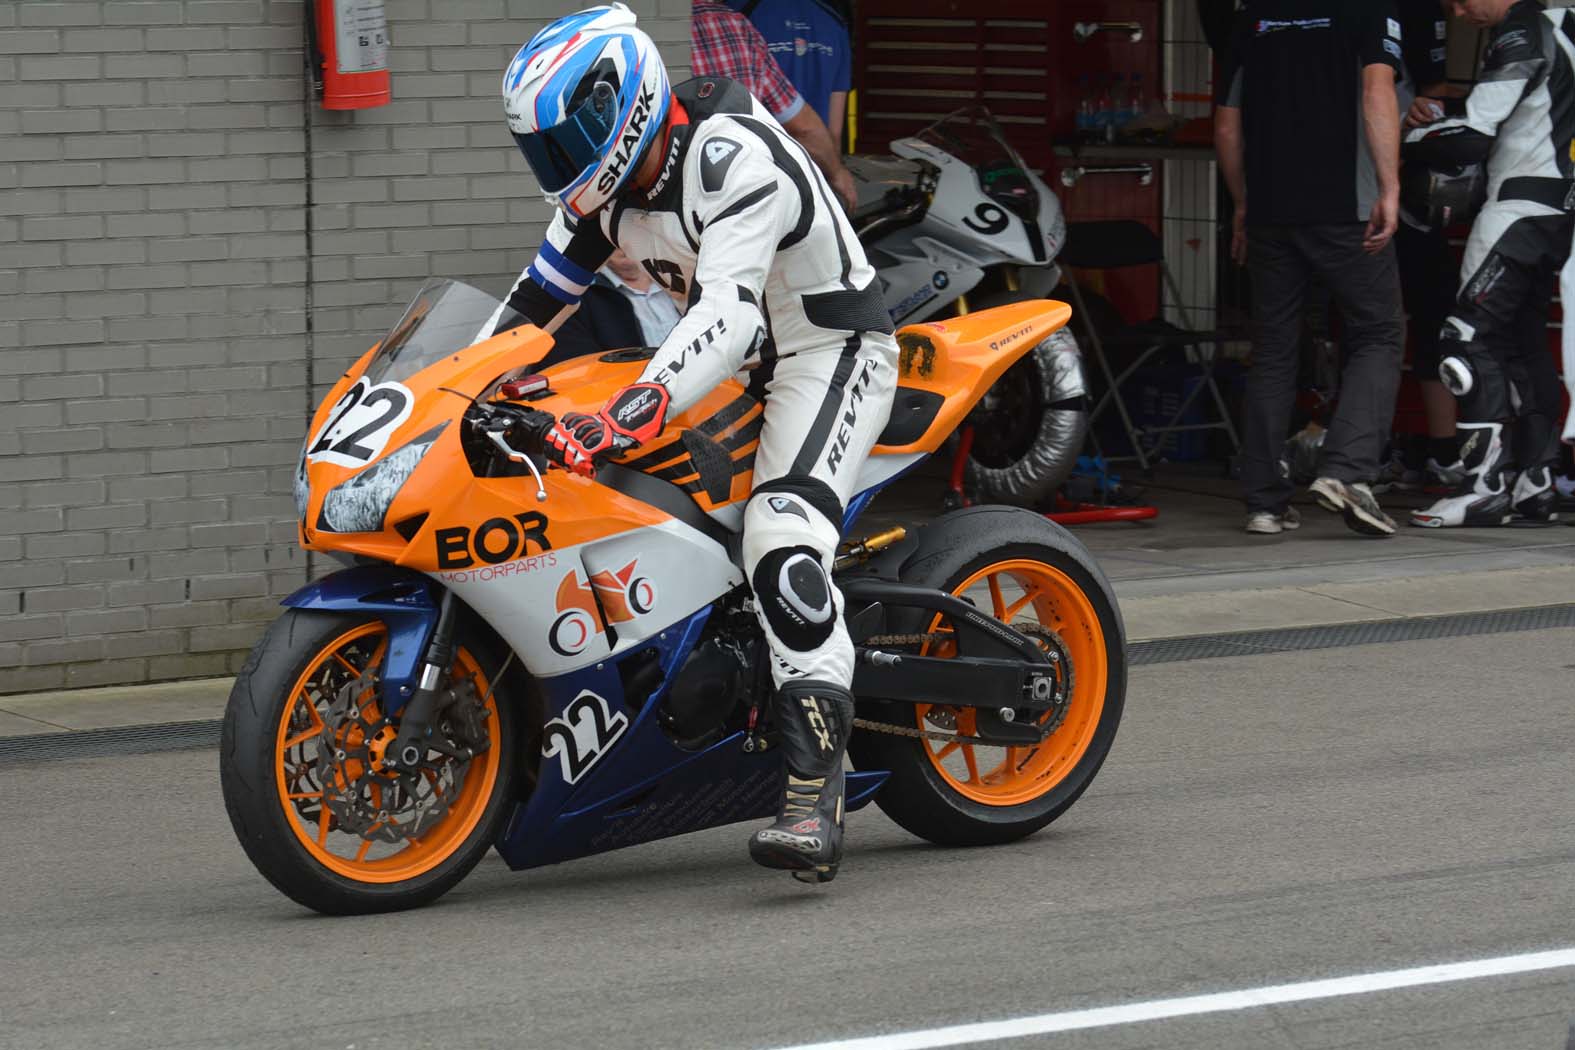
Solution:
(1244, 999)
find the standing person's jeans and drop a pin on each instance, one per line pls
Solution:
(1282, 261)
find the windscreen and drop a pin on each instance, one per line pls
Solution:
(445, 316)
(972, 136)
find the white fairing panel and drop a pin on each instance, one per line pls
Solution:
(559, 610)
(878, 470)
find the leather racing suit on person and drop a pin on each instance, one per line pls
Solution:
(1520, 118)
(741, 221)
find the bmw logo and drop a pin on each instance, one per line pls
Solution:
(940, 280)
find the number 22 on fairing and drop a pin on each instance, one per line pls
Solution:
(587, 730)
(360, 424)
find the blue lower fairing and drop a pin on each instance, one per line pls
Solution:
(638, 786)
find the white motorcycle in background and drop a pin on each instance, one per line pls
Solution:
(954, 222)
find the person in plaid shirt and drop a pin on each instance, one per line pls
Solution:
(726, 44)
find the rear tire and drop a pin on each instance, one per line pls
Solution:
(1035, 787)
(284, 693)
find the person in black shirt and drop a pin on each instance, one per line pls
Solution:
(1308, 132)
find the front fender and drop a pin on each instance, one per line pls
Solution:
(404, 599)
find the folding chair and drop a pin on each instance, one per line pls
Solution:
(1117, 245)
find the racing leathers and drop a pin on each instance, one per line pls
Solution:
(742, 222)
(1520, 117)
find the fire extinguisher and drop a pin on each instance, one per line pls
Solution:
(349, 48)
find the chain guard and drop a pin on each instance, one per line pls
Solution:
(383, 804)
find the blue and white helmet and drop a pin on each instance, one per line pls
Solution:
(585, 99)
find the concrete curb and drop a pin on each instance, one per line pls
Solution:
(1148, 617)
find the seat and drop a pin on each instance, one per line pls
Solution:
(1118, 244)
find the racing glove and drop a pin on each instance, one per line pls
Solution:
(633, 416)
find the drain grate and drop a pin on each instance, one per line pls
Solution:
(178, 736)
(1338, 636)
(121, 740)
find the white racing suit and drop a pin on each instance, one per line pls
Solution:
(742, 222)
(1520, 117)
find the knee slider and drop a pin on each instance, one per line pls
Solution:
(1485, 396)
(796, 597)
(1456, 375)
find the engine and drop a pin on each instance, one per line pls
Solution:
(711, 688)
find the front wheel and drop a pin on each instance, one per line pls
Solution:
(1034, 575)
(306, 783)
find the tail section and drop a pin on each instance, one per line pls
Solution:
(945, 367)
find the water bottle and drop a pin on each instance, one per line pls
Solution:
(1137, 108)
(1104, 113)
(1085, 110)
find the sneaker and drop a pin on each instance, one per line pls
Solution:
(1267, 523)
(1393, 476)
(1443, 476)
(1355, 503)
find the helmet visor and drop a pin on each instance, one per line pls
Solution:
(560, 154)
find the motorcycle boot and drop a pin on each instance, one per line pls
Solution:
(1534, 499)
(815, 719)
(1483, 496)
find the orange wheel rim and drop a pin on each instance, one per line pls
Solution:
(1023, 591)
(301, 777)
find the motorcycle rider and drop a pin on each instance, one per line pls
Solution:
(1520, 118)
(717, 202)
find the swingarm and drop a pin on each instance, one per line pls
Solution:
(1014, 680)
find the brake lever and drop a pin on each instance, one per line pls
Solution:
(514, 455)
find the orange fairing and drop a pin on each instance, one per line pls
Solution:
(472, 524)
(961, 358)
(443, 519)
(467, 373)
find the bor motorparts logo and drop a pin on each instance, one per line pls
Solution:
(618, 596)
(493, 542)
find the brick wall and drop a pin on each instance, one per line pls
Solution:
(181, 278)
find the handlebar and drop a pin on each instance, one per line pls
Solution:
(500, 421)
(520, 432)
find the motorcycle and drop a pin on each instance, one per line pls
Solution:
(519, 658)
(956, 221)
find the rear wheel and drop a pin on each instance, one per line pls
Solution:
(1032, 574)
(307, 783)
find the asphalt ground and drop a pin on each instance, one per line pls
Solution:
(1262, 820)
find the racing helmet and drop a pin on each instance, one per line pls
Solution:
(1435, 198)
(585, 99)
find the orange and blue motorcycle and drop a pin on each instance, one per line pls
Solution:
(554, 666)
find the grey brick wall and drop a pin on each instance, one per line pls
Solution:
(180, 280)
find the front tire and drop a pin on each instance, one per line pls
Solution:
(972, 795)
(304, 728)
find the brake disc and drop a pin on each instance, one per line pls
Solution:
(364, 793)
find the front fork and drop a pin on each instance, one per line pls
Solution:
(415, 723)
